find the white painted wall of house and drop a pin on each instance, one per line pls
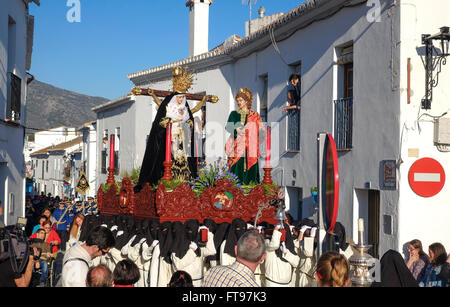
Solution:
(422, 218)
(12, 174)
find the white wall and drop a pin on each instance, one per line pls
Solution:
(12, 175)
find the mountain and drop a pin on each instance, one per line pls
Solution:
(49, 106)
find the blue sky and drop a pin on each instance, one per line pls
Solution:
(118, 37)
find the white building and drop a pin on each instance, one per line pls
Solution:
(49, 137)
(16, 44)
(89, 155)
(56, 168)
(355, 84)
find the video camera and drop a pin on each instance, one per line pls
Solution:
(14, 245)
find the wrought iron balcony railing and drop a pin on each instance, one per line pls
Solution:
(343, 123)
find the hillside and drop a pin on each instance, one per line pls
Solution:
(49, 106)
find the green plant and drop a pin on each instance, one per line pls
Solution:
(208, 175)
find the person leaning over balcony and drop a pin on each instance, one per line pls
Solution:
(293, 93)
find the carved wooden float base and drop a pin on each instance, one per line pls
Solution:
(222, 203)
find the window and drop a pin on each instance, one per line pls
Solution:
(264, 79)
(14, 87)
(46, 166)
(11, 205)
(343, 106)
(104, 161)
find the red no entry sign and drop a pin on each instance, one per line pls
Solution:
(426, 177)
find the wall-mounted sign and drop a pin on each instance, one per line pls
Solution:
(426, 177)
(389, 172)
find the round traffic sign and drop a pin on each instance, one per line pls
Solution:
(426, 177)
(331, 183)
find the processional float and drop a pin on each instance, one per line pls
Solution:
(181, 203)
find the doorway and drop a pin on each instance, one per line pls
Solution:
(367, 207)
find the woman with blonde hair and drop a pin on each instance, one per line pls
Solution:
(332, 270)
(75, 230)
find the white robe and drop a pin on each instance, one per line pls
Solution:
(143, 265)
(278, 272)
(305, 270)
(160, 271)
(192, 264)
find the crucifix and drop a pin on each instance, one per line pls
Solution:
(182, 81)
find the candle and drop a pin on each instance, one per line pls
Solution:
(268, 142)
(361, 225)
(169, 142)
(361, 232)
(111, 150)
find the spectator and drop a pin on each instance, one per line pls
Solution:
(50, 236)
(418, 260)
(48, 213)
(394, 272)
(42, 219)
(293, 93)
(46, 253)
(180, 279)
(126, 274)
(78, 258)
(332, 270)
(250, 252)
(437, 257)
(9, 277)
(99, 276)
(75, 231)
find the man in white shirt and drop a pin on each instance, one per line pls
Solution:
(78, 258)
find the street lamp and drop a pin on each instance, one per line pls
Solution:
(434, 59)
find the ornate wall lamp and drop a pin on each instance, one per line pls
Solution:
(434, 59)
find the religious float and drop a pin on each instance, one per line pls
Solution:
(215, 194)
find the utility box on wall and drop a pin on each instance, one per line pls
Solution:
(442, 131)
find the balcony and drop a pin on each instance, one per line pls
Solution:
(343, 123)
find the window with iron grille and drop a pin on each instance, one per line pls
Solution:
(14, 101)
(343, 107)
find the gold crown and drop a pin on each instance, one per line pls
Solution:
(181, 80)
(247, 93)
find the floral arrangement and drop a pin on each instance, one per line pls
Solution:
(209, 174)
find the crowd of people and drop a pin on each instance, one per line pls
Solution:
(123, 251)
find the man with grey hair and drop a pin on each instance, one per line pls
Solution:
(250, 252)
(99, 276)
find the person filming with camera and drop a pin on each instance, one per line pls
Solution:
(17, 261)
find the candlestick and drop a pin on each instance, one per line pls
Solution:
(268, 143)
(169, 142)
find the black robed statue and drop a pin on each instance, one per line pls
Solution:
(174, 109)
